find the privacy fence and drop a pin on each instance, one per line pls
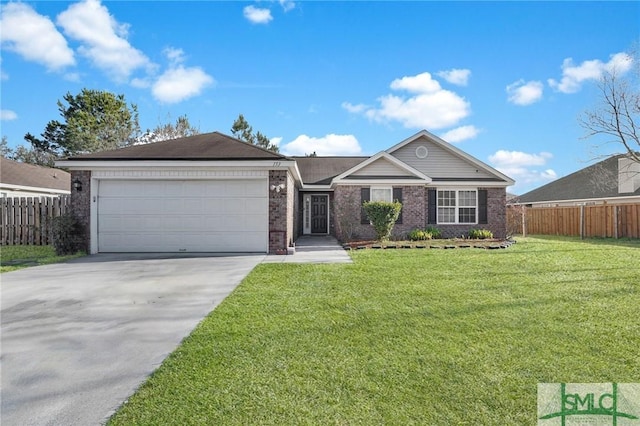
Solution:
(602, 220)
(27, 221)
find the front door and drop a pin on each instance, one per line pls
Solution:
(319, 214)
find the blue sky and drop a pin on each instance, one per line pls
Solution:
(504, 81)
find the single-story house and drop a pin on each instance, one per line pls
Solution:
(614, 180)
(215, 193)
(28, 180)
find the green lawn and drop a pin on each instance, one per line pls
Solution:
(424, 337)
(18, 257)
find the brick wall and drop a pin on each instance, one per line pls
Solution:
(281, 224)
(81, 203)
(414, 214)
(496, 215)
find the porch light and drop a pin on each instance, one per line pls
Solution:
(278, 188)
(77, 185)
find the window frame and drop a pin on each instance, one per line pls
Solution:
(457, 207)
(389, 189)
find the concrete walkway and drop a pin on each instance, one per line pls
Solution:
(313, 249)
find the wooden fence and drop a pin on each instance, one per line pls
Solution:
(28, 220)
(601, 220)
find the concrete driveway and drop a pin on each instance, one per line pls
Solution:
(79, 338)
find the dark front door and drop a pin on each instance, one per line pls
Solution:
(319, 214)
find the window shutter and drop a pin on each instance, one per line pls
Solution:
(397, 196)
(432, 199)
(482, 206)
(365, 195)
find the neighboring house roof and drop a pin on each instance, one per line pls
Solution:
(598, 181)
(29, 177)
(205, 146)
(322, 170)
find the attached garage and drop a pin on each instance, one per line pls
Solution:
(206, 193)
(182, 215)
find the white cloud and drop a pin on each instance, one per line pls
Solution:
(287, 5)
(328, 145)
(421, 83)
(460, 134)
(574, 75)
(521, 166)
(276, 141)
(429, 107)
(34, 37)
(256, 15)
(7, 115)
(354, 108)
(104, 40)
(521, 93)
(456, 76)
(519, 158)
(180, 83)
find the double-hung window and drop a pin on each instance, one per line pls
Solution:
(457, 206)
(382, 194)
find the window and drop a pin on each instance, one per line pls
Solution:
(381, 194)
(457, 206)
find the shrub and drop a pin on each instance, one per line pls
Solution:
(383, 216)
(68, 234)
(480, 234)
(419, 235)
(435, 232)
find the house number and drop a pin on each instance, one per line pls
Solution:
(276, 164)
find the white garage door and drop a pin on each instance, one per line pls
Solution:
(182, 216)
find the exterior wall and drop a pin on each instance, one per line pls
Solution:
(381, 167)
(347, 215)
(496, 215)
(414, 214)
(281, 214)
(81, 204)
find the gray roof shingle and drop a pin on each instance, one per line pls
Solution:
(597, 181)
(16, 173)
(205, 146)
(321, 170)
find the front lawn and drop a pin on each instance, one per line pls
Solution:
(424, 337)
(18, 257)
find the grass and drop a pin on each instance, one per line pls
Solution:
(18, 257)
(405, 337)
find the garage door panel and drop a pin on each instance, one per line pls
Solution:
(172, 216)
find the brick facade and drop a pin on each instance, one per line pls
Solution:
(281, 214)
(414, 214)
(81, 204)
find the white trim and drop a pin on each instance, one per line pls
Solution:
(446, 145)
(306, 213)
(577, 201)
(457, 206)
(34, 189)
(393, 182)
(393, 160)
(466, 184)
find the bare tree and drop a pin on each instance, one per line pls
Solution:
(617, 116)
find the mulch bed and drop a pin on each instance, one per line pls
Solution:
(488, 244)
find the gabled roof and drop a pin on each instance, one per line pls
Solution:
(205, 146)
(597, 181)
(455, 151)
(30, 175)
(322, 170)
(410, 172)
